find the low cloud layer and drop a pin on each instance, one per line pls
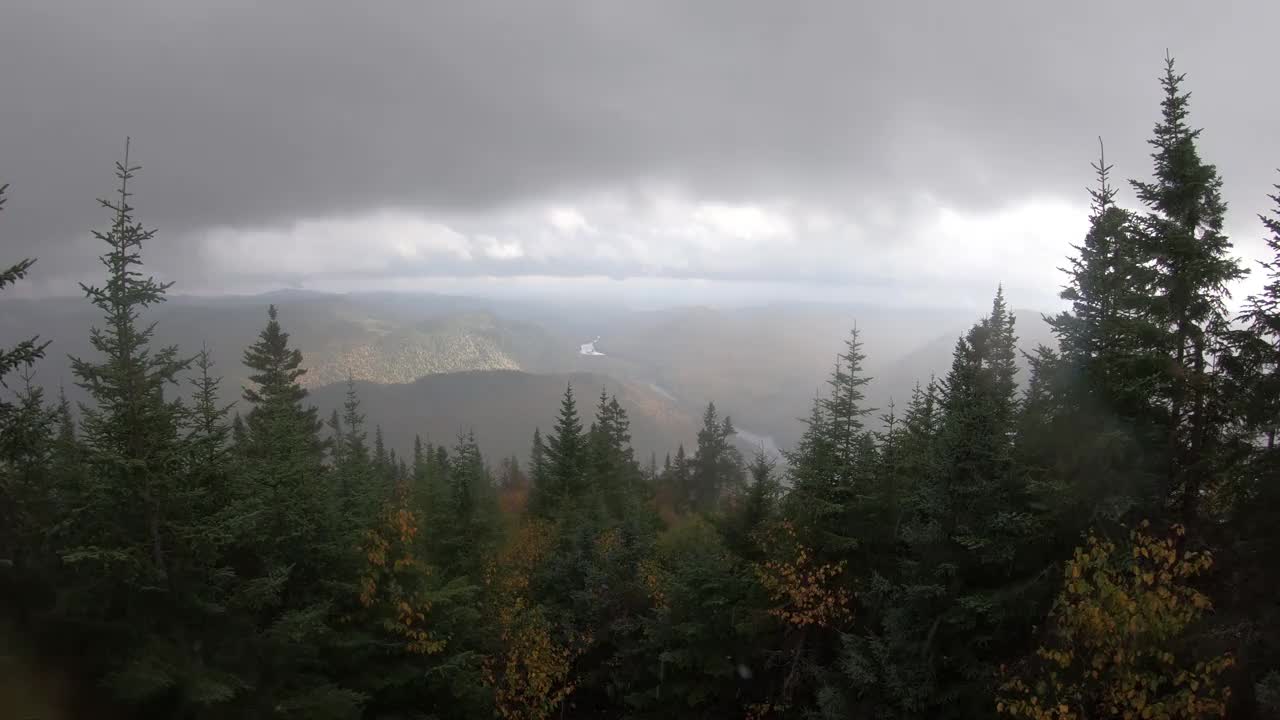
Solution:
(920, 147)
(663, 236)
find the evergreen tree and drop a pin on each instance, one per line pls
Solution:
(538, 470)
(28, 502)
(566, 457)
(757, 507)
(886, 496)
(833, 468)
(701, 630)
(1182, 234)
(380, 457)
(211, 494)
(681, 473)
(819, 498)
(299, 564)
(615, 476)
(143, 578)
(844, 406)
(384, 469)
(957, 608)
(283, 445)
(717, 465)
(1255, 362)
(417, 625)
(209, 430)
(22, 433)
(335, 436)
(27, 352)
(356, 491)
(464, 516)
(1088, 438)
(1109, 284)
(419, 456)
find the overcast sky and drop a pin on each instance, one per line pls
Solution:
(909, 151)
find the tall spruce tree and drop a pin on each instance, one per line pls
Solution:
(755, 508)
(833, 465)
(465, 523)
(145, 578)
(1108, 284)
(283, 445)
(716, 465)
(566, 454)
(956, 609)
(845, 408)
(538, 470)
(615, 476)
(1090, 419)
(20, 430)
(1182, 234)
(300, 567)
(676, 480)
(353, 466)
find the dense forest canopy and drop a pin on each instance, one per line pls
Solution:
(1095, 539)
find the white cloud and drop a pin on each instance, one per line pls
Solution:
(949, 255)
(747, 222)
(368, 243)
(567, 220)
(499, 250)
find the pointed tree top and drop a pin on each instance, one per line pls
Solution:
(1104, 194)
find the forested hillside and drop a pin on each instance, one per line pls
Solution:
(694, 355)
(502, 406)
(1088, 529)
(367, 337)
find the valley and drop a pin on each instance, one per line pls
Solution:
(420, 360)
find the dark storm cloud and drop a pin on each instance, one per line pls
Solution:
(252, 114)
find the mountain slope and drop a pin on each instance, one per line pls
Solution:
(337, 334)
(760, 365)
(504, 407)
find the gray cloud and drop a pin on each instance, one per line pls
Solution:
(253, 116)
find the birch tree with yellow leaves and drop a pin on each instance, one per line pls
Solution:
(1117, 638)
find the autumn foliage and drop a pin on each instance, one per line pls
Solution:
(530, 673)
(803, 591)
(394, 575)
(1116, 646)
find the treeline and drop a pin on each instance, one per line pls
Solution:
(1095, 540)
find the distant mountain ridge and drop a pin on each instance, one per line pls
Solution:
(760, 365)
(504, 407)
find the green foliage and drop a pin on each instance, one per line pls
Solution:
(833, 466)
(297, 566)
(716, 468)
(564, 477)
(754, 509)
(27, 352)
(466, 522)
(140, 570)
(184, 562)
(1117, 639)
(967, 532)
(696, 650)
(1182, 237)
